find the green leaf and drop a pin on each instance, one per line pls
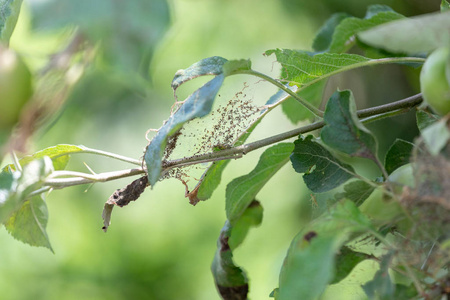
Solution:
(356, 191)
(9, 13)
(8, 184)
(127, 31)
(310, 261)
(346, 260)
(297, 112)
(398, 155)
(197, 105)
(344, 34)
(424, 118)
(15, 187)
(231, 280)
(242, 190)
(302, 68)
(59, 154)
(343, 130)
(323, 171)
(208, 66)
(29, 222)
(323, 39)
(436, 136)
(431, 31)
(236, 66)
(381, 286)
(252, 217)
(445, 5)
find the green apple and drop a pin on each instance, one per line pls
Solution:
(435, 81)
(15, 87)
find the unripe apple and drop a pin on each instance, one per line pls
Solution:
(15, 87)
(435, 82)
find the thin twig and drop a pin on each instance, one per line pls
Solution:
(368, 115)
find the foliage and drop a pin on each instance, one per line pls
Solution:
(403, 213)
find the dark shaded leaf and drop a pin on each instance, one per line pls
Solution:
(344, 34)
(405, 292)
(9, 13)
(29, 222)
(231, 280)
(346, 260)
(323, 171)
(398, 155)
(425, 118)
(343, 130)
(242, 190)
(323, 39)
(381, 286)
(310, 263)
(431, 31)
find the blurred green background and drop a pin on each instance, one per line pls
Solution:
(161, 247)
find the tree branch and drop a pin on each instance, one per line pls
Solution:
(367, 115)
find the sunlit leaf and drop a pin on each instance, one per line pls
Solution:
(343, 130)
(15, 187)
(310, 262)
(344, 34)
(431, 31)
(8, 185)
(398, 155)
(29, 222)
(242, 190)
(59, 155)
(9, 13)
(302, 68)
(323, 171)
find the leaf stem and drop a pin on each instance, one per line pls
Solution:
(113, 155)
